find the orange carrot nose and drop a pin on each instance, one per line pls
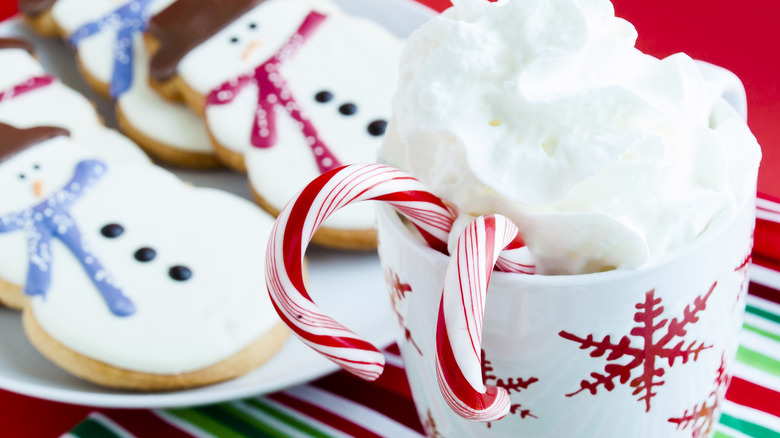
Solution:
(250, 48)
(38, 188)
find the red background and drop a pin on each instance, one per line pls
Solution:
(740, 36)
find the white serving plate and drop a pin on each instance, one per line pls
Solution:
(349, 286)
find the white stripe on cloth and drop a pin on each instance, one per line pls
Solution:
(269, 420)
(393, 359)
(765, 276)
(302, 417)
(762, 323)
(188, 427)
(760, 344)
(363, 416)
(754, 375)
(754, 416)
(768, 216)
(763, 304)
(766, 204)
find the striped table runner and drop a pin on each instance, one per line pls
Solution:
(341, 405)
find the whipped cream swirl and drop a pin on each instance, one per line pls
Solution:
(544, 111)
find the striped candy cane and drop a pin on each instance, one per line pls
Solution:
(295, 227)
(461, 312)
(301, 218)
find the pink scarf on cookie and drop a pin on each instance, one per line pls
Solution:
(275, 92)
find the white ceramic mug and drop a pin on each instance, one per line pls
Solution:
(642, 352)
(536, 331)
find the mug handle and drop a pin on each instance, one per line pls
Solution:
(730, 87)
(294, 229)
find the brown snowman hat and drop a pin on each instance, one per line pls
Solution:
(186, 24)
(33, 8)
(14, 140)
(13, 43)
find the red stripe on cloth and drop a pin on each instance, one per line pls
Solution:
(394, 349)
(7, 9)
(765, 292)
(754, 396)
(323, 416)
(24, 416)
(144, 423)
(767, 241)
(768, 197)
(375, 395)
(394, 379)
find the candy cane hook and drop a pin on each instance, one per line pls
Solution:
(461, 312)
(295, 227)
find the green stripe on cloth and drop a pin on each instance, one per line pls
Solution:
(243, 422)
(719, 434)
(287, 418)
(762, 332)
(91, 428)
(205, 422)
(763, 313)
(748, 428)
(758, 361)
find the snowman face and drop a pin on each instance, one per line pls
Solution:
(247, 42)
(344, 76)
(35, 174)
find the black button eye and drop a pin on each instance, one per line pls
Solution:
(323, 96)
(22, 176)
(377, 128)
(112, 231)
(180, 273)
(37, 166)
(145, 255)
(234, 40)
(253, 25)
(348, 109)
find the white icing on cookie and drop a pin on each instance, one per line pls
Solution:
(178, 326)
(58, 105)
(219, 59)
(166, 122)
(352, 59)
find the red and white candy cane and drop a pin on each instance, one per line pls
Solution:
(295, 227)
(461, 312)
(297, 224)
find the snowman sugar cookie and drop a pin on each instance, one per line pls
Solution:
(107, 35)
(135, 279)
(297, 89)
(29, 96)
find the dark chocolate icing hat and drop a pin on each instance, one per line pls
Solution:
(13, 43)
(186, 24)
(35, 7)
(14, 140)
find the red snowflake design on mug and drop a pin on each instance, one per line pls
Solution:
(647, 358)
(429, 424)
(701, 418)
(744, 271)
(511, 384)
(398, 292)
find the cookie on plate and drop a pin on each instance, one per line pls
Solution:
(289, 89)
(135, 279)
(31, 97)
(107, 36)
